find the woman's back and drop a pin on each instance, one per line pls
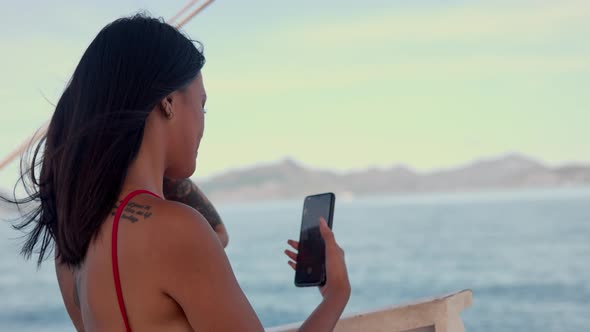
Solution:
(147, 306)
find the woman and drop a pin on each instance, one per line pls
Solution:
(131, 116)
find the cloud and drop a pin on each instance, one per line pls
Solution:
(468, 23)
(476, 41)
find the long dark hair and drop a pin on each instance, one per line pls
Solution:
(96, 131)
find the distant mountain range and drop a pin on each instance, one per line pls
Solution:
(289, 179)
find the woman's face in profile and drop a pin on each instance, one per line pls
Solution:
(188, 127)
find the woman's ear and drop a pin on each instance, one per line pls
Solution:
(166, 102)
(166, 106)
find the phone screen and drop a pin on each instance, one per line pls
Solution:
(311, 254)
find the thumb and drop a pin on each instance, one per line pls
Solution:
(326, 232)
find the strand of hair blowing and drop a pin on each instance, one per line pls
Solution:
(97, 129)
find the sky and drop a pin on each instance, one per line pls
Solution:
(339, 85)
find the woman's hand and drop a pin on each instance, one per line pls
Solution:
(337, 285)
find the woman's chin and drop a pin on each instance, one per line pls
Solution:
(184, 171)
(192, 169)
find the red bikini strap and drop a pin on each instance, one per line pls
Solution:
(114, 251)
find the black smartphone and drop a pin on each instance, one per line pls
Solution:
(311, 256)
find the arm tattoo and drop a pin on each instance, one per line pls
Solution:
(185, 191)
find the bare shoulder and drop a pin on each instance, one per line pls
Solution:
(172, 210)
(171, 223)
(189, 265)
(173, 239)
(164, 232)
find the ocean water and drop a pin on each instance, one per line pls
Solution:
(525, 255)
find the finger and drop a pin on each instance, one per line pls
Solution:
(293, 244)
(324, 223)
(291, 255)
(292, 264)
(326, 232)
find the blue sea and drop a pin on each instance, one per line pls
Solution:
(525, 255)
